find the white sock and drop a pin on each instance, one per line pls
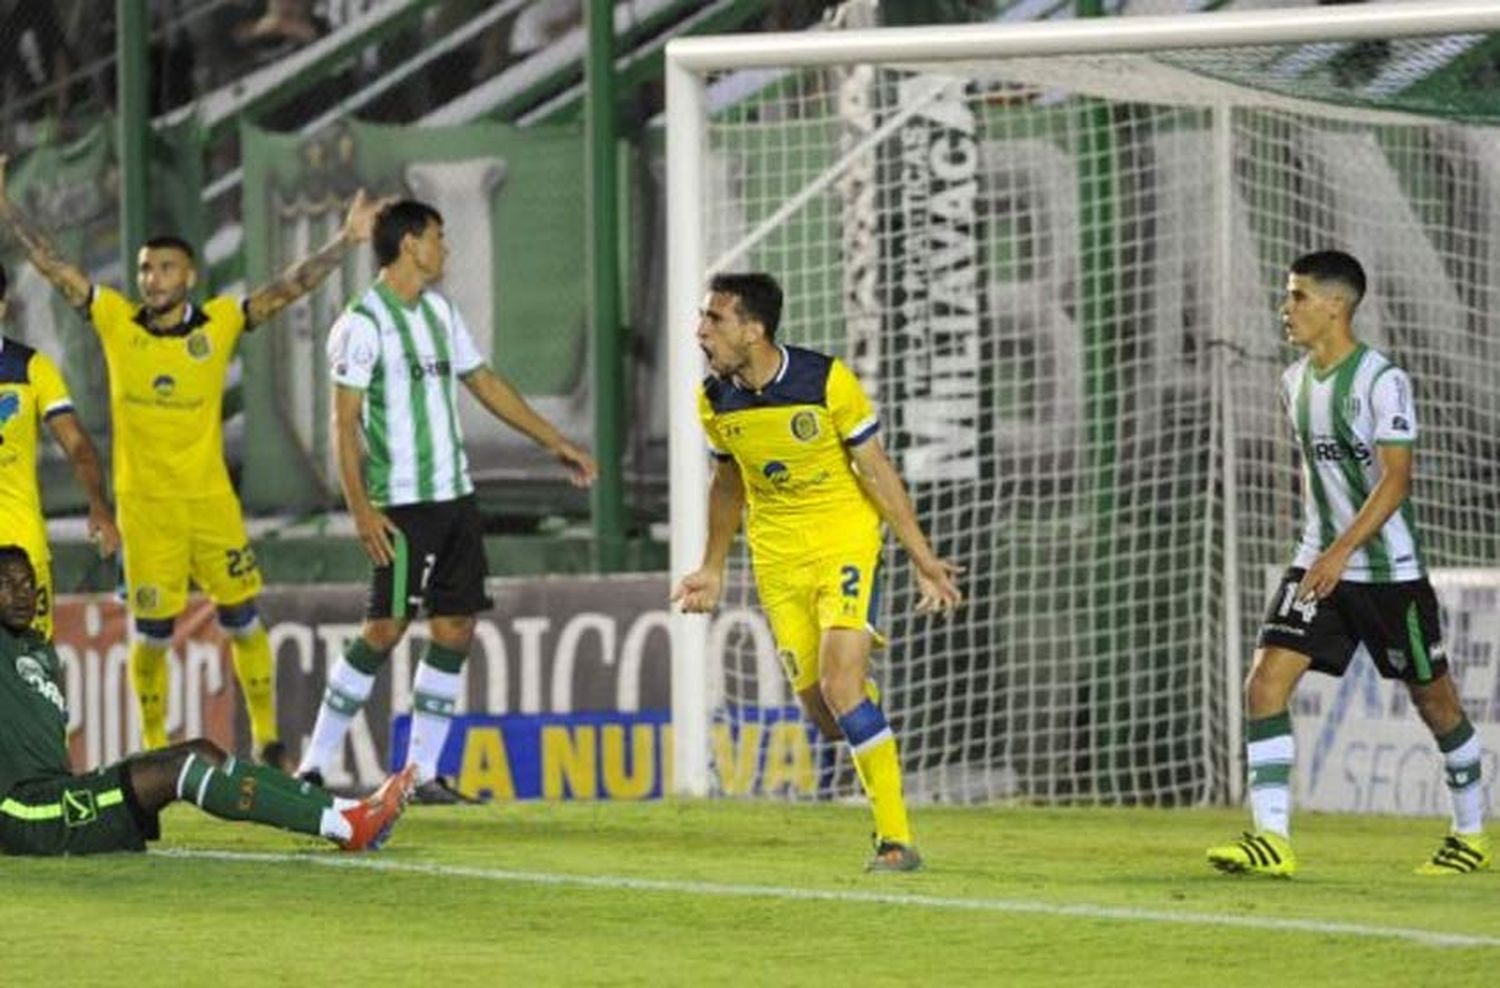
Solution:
(1462, 767)
(348, 689)
(434, 696)
(1270, 762)
(334, 826)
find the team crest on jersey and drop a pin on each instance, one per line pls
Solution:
(198, 346)
(146, 598)
(805, 426)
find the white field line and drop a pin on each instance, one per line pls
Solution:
(1429, 938)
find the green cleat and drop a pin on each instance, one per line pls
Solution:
(1459, 854)
(894, 856)
(1264, 853)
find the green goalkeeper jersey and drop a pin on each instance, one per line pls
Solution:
(33, 712)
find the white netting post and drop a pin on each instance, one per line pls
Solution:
(687, 155)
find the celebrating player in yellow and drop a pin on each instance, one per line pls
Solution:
(33, 392)
(179, 516)
(794, 440)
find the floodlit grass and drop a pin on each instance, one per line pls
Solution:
(721, 893)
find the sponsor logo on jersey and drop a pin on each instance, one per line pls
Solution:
(164, 385)
(777, 473)
(1352, 405)
(805, 426)
(198, 346)
(10, 405)
(1332, 451)
(430, 368)
(1399, 423)
(34, 674)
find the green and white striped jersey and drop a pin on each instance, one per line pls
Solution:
(1339, 416)
(407, 360)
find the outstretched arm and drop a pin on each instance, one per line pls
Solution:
(698, 592)
(68, 279)
(70, 435)
(302, 277)
(505, 403)
(935, 577)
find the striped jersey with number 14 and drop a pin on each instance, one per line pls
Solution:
(1340, 415)
(407, 359)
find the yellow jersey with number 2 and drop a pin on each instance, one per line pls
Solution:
(791, 440)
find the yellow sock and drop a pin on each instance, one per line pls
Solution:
(879, 770)
(149, 676)
(878, 763)
(255, 669)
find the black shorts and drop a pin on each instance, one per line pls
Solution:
(1396, 622)
(76, 814)
(439, 565)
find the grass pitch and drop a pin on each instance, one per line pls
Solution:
(732, 893)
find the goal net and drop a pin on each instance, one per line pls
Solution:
(1058, 278)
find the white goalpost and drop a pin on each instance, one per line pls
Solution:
(1052, 252)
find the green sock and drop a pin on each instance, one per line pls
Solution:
(279, 780)
(240, 791)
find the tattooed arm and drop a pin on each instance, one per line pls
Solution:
(68, 279)
(302, 277)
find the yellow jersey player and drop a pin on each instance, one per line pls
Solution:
(32, 392)
(179, 516)
(796, 447)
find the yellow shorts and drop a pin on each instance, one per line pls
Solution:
(804, 599)
(166, 541)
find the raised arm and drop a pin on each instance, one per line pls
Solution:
(299, 279)
(68, 279)
(883, 485)
(698, 592)
(504, 402)
(75, 442)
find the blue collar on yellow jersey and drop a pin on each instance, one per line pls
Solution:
(802, 380)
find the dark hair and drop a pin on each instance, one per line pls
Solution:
(395, 222)
(757, 296)
(15, 554)
(4, 282)
(1333, 267)
(167, 241)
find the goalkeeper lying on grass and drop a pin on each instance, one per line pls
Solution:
(46, 809)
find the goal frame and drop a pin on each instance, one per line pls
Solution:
(689, 61)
